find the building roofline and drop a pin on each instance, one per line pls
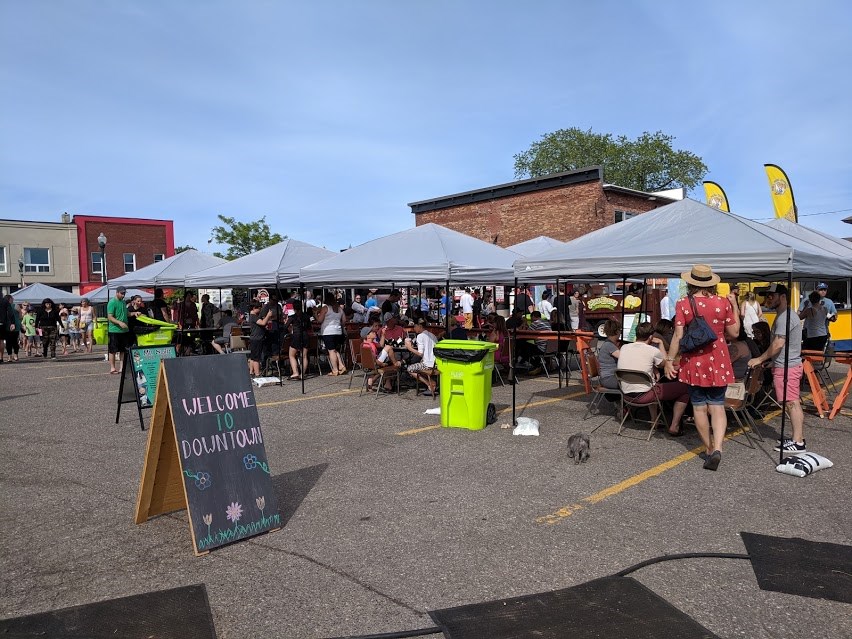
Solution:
(586, 174)
(37, 222)
(644, 194)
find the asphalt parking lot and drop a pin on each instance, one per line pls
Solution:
(388, 516)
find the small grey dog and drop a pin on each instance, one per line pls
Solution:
(578, 447)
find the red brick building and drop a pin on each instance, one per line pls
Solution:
(131, 244)
(561, 205)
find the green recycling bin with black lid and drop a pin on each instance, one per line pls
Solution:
(466, 367)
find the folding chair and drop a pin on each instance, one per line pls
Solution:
(316, 346)
(371, 367)
(571, 354)
(551, 352)
(433, 375)
(502, 354)
(599, 392)
(355, 344)
(821, 368)
(739, 408)
(629, 404)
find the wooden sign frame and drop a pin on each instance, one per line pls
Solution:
(163, 486)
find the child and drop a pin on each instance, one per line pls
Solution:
(28, 322)
(256, 337)
(384, 358)
(63, 329)
(74, 328)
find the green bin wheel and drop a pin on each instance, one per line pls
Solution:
(491, 414)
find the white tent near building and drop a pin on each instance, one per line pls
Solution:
(667, 241)
(535, 246)
(428, 254)
(170, 272)
(35, 293)
(103, 294)
(273, 265)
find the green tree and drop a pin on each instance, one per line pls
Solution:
(181, 249)
(648, 163)
(244, 238)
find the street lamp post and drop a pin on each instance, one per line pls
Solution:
(102, 242)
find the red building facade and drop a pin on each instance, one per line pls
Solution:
(563, 206)
(131, 244)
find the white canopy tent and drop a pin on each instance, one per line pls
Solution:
(428, 254)
(35, 293)
(667, 241)
(103, 294)
(277, 264)
(811, 235)
(170, 272)
(535, 246)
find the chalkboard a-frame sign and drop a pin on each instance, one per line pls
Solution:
(205, 452)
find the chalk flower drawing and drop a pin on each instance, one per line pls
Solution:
(203, 480)
(208, 519)
(234, 512)
(250, 461)
(261, 502)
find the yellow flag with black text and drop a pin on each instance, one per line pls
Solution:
(716, 196)
(782, 193)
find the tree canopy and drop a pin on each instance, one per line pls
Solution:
(185, 247)
(648, 163)
(243, 238)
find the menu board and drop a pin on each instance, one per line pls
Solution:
(139, 369)
(206, 427)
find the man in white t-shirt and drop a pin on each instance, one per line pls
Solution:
(425, 350)
(466, 302)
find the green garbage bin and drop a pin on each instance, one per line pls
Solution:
(466, 367)
(99, 332)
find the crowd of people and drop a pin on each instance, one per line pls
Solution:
(39, 331)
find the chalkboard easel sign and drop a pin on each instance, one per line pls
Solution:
(205, 453)
(139, 369)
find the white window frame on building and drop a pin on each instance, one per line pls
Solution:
(4, 260)
(35, 267)
(129, 262)
(159, 257)
(621, 216)
(97, 267)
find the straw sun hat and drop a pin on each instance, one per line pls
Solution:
(701, 275)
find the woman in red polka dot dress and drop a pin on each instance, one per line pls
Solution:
(707, 370)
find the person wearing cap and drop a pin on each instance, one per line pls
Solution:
(777, 298)
(707, 370)
(117, 330)
(827, 302)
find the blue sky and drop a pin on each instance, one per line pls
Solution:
(328, 117)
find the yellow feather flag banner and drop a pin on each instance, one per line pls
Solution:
(782, 193)
(716, 196)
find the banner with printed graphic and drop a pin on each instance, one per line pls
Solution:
(716, 196)
(782, 193)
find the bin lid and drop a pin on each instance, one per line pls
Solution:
(465, 345)
(463, 350)
(155, 322)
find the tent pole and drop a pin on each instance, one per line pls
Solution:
(514, 360)
(559, 345)
(303, 365)
(642, 298)
(786, 364)
(447, 314)
(623, 297)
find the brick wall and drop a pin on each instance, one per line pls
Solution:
(563, 213)
(143, 240)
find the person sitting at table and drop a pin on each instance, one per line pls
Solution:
(648, 354)
(556, 323)
(384, 357)
(456, 331)
(256, 338)
(664, 329)
(516, 320)
(498, 334)
(425, 343)
(608, 354)
(374, 325)
(537, 323)
(742, 349)
(226, 323)
(392, 333)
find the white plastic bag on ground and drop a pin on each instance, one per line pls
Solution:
(526, 426)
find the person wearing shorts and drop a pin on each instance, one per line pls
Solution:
(776, 298)
(87, 323)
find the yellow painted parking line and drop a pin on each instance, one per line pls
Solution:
(414, 431)
(79, 375)
(307, 397)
